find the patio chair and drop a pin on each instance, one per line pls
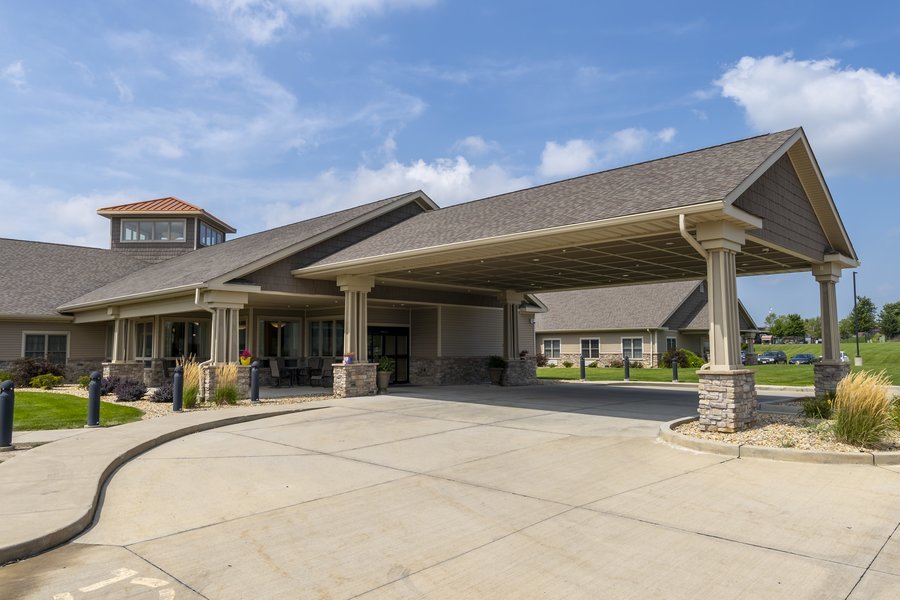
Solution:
(278, 374)
(328, 374)
(315, 370)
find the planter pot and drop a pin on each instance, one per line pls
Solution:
(246, 360)
(496, 376)
(382, 379)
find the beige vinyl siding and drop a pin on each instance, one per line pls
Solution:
(610, 342)
(526, 333)
(388, 316)
(85, 340)
(423, 332)
(471, 331)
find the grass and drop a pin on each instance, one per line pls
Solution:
(48, 410)
(862, 409)
(876, 357)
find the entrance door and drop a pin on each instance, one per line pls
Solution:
(394, 343)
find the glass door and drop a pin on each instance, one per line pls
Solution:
(392, 342)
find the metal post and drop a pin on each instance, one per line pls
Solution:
(254, 382)
(582, 367)
(858, 360)
(93, 417)
(627, 365)
(7, 404)
(177, 388)
(674, 369)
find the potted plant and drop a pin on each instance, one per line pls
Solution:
(496, 365)
(245, 357)
(384, 369)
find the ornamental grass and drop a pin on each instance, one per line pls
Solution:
(191, 381)
(862, 408)
(226, 384)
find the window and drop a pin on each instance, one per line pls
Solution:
(590, 348)
(146, 230)
(143, 339)
(326, 338)
(551, 348)
(279, 337)
(207, 236)
(633, 347)
(186, 338)
(52, 346)
(671, 344)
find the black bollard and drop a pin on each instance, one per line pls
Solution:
(254, 382)
(177, 388)
(7, 404)
(582, 368)
(93, 419)
(627, 364)
(674, 370)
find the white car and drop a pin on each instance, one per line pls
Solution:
(844, 357)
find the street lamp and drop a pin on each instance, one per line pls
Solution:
(858, 360)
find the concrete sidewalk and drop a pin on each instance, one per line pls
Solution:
(480, 492)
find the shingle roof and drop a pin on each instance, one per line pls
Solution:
(682, 180)
(168, 205)
(205, 264)
(37, 277)
(629, 307)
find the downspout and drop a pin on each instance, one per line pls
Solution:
(687, 236)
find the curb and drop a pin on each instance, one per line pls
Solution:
(47, 463)
(669, 435)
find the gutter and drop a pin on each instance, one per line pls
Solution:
(688, 237)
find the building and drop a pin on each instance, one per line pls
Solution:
(439, 288)
(641, 322)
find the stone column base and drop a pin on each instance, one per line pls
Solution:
(153, 375)
(727, 400)
(520, 372)
(356, 379)
(130, 370)
(828, 375)
(751, 359)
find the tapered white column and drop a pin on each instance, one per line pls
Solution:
(828, 274)
(722, 241)
(118, 343)
(511, 345)
(356, 290)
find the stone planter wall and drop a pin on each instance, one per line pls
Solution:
(520, 372)
(827, 376)
(468, 370)
(727, 400)
(208, 383)
(357, 379)
(154, 376)
(132, 370)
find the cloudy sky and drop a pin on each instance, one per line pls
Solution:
(270, 111)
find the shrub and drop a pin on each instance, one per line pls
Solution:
(551, 365)
(108, 384)
(818, 408)
(45, 381)
(540, 360)
(593, 365)
(635, 364)
(162, 394)
(23, 370)
(191, 381)
(5, 376)
(496, 362)
(685, 358)
(226, 384)
(130, 390)
(616, 363)
(862, 409)
(386, 364)
(84, 381)
(567, 364)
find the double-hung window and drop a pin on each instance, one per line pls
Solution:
(590, 348)
(551, 348)
(51, 346)
(633, 347)
(671, 344)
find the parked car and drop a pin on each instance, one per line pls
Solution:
(743, 357)
(803, 359)
(844, 357)
(772, 357)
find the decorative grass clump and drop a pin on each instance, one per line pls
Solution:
(226, 384)
(818, 408)
(862, 408)
(191, 381)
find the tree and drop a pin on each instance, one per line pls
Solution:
(846, 327)
(770, 320)
(788, 326)
(889, 319)
(813, 327)
(863, 316)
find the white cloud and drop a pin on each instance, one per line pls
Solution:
(666, 135)
(15, 74)
(574, 156)
(852, 116)
(125, 93)
(261, 21)
(475, 145)
(151, 146)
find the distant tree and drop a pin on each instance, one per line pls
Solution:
(788, 326)
(770, 320)
(846, 327)
(865, 313)
(889, 319)
(813, 327)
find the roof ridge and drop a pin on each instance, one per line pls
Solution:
(628, 166)
(2, 239)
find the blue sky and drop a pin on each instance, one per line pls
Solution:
(270, 111)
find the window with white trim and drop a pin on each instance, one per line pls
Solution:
(143, 340)
(147, 230)
(590, 347)
(551, 348)
(208, 236)
(326, 338)
(51, 346)
(671, 344)
(633, 347)
(279, 337)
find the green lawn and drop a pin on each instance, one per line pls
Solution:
(875, 358)
(48, 410)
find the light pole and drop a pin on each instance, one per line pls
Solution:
(858, 360)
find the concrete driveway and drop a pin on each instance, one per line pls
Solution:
(555, 491)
